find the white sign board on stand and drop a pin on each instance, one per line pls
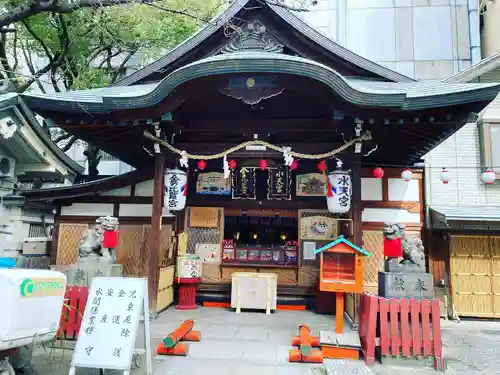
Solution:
(110, 323)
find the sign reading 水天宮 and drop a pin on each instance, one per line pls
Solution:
(110, 323)
(42, 287)
(279, 183)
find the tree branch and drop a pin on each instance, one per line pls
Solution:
(38, 39)
(29, 64)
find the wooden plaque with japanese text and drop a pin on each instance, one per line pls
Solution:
(204, 217)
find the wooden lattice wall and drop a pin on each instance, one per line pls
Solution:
(373, 242)
(133, 247)
(204, 235)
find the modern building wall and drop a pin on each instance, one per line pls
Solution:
(460, 154)
(423, 39)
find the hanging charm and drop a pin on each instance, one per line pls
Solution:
(225, 167)
(294, 165)
(175, 190)
(286, 155)
(232, 164)
(183, 161)
(339, 190)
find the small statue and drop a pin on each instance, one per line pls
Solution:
(410, 248)
(91, 245)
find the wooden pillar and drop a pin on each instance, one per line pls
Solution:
(339, 312)
(156, 219)
(357, 224)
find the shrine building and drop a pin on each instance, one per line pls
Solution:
(278, 141)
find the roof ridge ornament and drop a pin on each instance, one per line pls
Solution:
(253, 37)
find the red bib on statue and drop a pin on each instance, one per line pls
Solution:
(392, 248)
(110, 240)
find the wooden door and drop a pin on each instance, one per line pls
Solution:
(472, 267)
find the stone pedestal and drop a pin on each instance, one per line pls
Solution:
(81, 273)
(405, 285)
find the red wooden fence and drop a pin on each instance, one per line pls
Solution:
(404, 327)
(75, 299)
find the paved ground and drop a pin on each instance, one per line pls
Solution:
(253, 343)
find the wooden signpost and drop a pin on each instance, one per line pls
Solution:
(110, 324)
(341, 271)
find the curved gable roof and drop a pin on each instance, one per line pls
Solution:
(285, 15)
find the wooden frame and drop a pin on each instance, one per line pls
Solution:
(486, 145)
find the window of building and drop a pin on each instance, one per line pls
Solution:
(490, 146)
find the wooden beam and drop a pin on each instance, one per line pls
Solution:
(255, 125)
(156, 221)
(210, 148)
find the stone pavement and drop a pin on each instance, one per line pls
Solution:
(255, 343)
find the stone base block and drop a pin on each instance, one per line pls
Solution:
(82, 273)
(405, 285)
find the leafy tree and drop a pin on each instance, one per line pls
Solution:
(61, 45)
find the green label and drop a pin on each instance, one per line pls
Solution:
(42, 287)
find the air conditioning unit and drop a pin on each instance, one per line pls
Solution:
(7, 167)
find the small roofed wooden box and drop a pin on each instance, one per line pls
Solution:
(341, 267)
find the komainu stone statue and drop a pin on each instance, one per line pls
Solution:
(91, 245)
(413, 250)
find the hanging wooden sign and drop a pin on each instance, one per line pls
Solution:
(203, 217)
(243, 183)
(279, 183)
(213, 183)
(311, 185)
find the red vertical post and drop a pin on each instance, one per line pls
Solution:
(439, 361)
(371, 330)
(405, 327)
(415, 327)
(384, 325)
(339, 312)
(394, 323)
(426, 327)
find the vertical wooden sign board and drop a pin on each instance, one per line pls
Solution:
(110, 324)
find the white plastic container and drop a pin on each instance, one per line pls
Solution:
(30, 307)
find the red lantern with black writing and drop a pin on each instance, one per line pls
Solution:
(202, 164)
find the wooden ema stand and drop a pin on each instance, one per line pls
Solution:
(341, 271)
(108, 337)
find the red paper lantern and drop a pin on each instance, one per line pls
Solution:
(322, 166)
(262, 164)
(110, 240)
(232, 164)
(294, 165)
(202, 164)
(378, 172)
